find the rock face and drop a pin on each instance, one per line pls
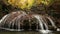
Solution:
(56, 7)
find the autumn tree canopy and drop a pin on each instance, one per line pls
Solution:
(27, 4)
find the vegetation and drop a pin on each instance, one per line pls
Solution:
(35, 6)
(27, 4)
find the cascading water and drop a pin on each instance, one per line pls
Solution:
(52, 22)
(19, 21)
(40, 22)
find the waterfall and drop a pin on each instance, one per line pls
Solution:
(39, 19)
(41, 23)
(14, 21)
(44, 22)
(51, 21)
(3, 18)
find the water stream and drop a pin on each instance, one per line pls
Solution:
(14, 21)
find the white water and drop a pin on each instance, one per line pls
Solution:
(40, 22)
(51, 21)
(44, 22)
(17, 20)
(3, 18)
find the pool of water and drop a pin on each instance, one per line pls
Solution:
(28, 32)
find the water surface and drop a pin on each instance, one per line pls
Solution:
(28, 32)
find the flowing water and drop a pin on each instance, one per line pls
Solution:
(19, 21)
(28, 32)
